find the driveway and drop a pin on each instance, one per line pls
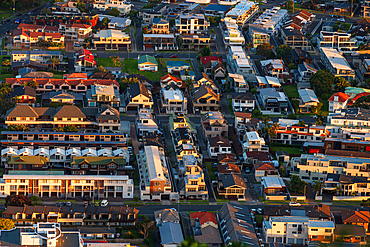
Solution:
(135, 142)
(139, 37)
(249, 181)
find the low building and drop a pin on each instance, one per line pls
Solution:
(216, 10)
(84, 61)
(103, 95)
(173, 101)
(243, 102)
(350, 234)
(272, 20)
(231, 186)
(264, 169)
(24, 38)
(272, 100)
(169, 81)
(218, 145)
(350, 117)
(205, 99)
(176, 66)
(238, 82)
(276, 68)
(305, 71)
(268, 82)
(160, 41)
(339, 41)
(273, 188)
(191, 24)
(75, 32)
(307, 100)
(205, 228)
(228, 168)
(295, 39)
(119, 23)
(110, 39)
(171, 234)
(242, 121)
(214, 124)
(39, 60)
(137, 97)
(338, 101)
(145, 123)
(147, 63)
(166, 215)
(24, 94)
(253, 142)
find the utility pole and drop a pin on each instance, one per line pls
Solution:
(13, 7)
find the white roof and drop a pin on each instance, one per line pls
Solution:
(89, 152)
(119, 152)
(104, 152)
(73, 151)
(240, 8)
(276, 63)
(103, 89)
(57, 151)
(9, 151)
(108, 33)
(307, 95)
(335, 59)
(154, 163)
(252, 136)
(268, 80)
(173, 94)
(25, 152)
(273, 182)
(67, 177)
(41, 151)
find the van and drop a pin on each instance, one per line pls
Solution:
(104, 203)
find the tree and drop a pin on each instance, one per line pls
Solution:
(318, 186)
(296, 184)
(32, 84)
(6, 224)
(341, 83)
(6, 62)
(272, 130)
(316, 108)
(102, 69)
(283, 51)
(338, 190)
(363, 102)
(54, 62)
(116, 60)
(190, 242)
(68, 128)
(145, 30)
(17, 200)
(146, 227)
(205, 51)
(265, 121)
(18, 128)
(115, 12)
(249, 46)
(188, 83)
(322, 82)
(353, 82)
(105, 22)
(264, 49)
(36, 200)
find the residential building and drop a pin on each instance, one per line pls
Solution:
(338, 101)
(137, 97)
(297, 230)
(119, 23)
(227, 168)
(341, 42)
(300, 21)
(350, 186)
(218, 145)
(191, 24)
(264, 170)
(365, 69)
(299, 56)
(258, 35)
(24, 94)
(305, 71)
(24, 38)
(103, 5)
(272, 20)
(217, 71)
(75, 32)
(48, 85)
(205, 99)
(166, 215)
(103, 95)
(145, 123)
(276, 68)
(214, 124)
(238, 82)
(48, 184)
(295, 39)
(155, 182)
(176, 66)
(272, 100)
(159, 41)
(170, 81)
(36, 58)
(360, 218)
(231, 34)
(268, 82)
(236, 224)
(307, 100)
(110, 39)
(148, 16)
(242, 121)
(350, 117)
(239, 62)
(231, 186)
(85, 61)
(216, 10)
(194, 41)
(253, 142)
(173, 101)
(147, 63)
(365, 9)
(273, 188)
(243, 102)
(55, 19)
(243, 12)
(350, 234)
(192, 185)
(206, 81)
(296, 134)
(205, 228)
(171, 234)
(213, 59)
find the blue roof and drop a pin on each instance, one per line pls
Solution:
(217, 7)
(177, 64)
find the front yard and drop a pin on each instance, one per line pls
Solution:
(163, 62)
(290, 150)
(105, 62)
(211, 173)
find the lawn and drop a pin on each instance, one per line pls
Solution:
(290, 150)
(56, 76)
(105, 62)
(131, 67)
(345, 26)
(291, 91)
(211, 173)
(5, 16)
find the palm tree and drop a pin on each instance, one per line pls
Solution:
(353, 82)
(318, 186)
(341, 83)
(265, 121)
(54, 62)
(6, 62)
(116, 60)
(338, 190)
(272, 130)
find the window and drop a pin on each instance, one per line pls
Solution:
(294, 225)
(84, 166)
(327, 230)
(112, 166)
(314, 237)
(314, 230)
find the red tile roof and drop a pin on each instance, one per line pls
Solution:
(342, 97)
(264, 167)
(356, 217)
(76, 25)
(350, 102)
(204, 217)
(43, 81)
(176, 79)
(29, 26)
(243, 114)
(206, 59)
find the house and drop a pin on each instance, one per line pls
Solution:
(24, 38)
(182, 136)
(300, 56)
(102, 76)
(243, 102)
(243, 12)
(160, 41)
(265, 169)
(155, 183)
(276, 68)
(272, 20)
(305, 71)
(365, 69)
(205, 99)
(258, 35)
(360, 218)
(176, 66)
(103, 95)
(238, 82)
(55, 19)
(218, 145)
(166, 215)
(85, 61)
(39, 59)
(170, 80)
(147, 63)
(273, 188)
(242, 121)
(300, 21)
(111, 39)
(282, 156)
(75, 32)
(205, 228)
(216, 10)
(228, 168)
(327, 26)
(119, 23)
(173, 101)
(206, 81)
(295, 39)
(253, 142)
(338, 101)
(217, 71)
(137, 97)
(350, 234)
(339, 41)
(191, 24)
(145, 123)
(268, 82)
(171, 234)
(213, 59)
(104, 5)
(225, 159)
(307, 99)
(214, 124)
(194, 41)
(231, 186)
(24, 94)
(272, 100)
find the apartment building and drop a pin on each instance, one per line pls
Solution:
(75, 215)
(192, 185)
(56, 183)
(339, 41)
(239, 62)
(155, 182)
(336, 63)
(75, 32)
(365, 9)
(103, 95)
(55, 19)
(272, 20)
(25, 38)
(232, 34)
(258, 35)
(159, 41)
(243, 12)
(351, 117)
(173, 101)
(253, 142)
(191, 24)
(214, 124)
(276, 68)
(295, 39)
(295, 134)
(350, 186)
(145, 123)
(110, 39)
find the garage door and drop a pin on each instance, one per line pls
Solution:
(132, 108)
(165, 197)
(122, 47)
(100, 47)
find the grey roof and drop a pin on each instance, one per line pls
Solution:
(68, 239)
(160, 21)
(10, 238)
(54, 53)
(307, 95)
(329, 23)
(270, 92)
(171, 233)
(23, 90)
(139, 88)
(229, 180)
(92, 230)
(292, 32)
(118, 20)
(167, 215)
(244, 96)
(353, 113)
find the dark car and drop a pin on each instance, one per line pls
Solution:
(86, 198)
(18, 21)
(158, 55)
(59, 204)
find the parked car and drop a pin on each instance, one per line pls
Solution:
(259, 210)
(158, 55)
(59, 204)
(18, 21)
(247, 170)
(68, 204)
(341, 19)
(104, 203)
(173, 56)
(294, 204)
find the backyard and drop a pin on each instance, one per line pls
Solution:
(290, 150)
(211, 173)
(291, 91)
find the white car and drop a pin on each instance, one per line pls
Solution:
(104, 203)
(341, 20)
(294, 204)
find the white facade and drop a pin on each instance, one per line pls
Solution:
(173, 101)
(243, 12)
(145, 123)
(339, 41)
(336, 63)
(272, 20)
(253, 142)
